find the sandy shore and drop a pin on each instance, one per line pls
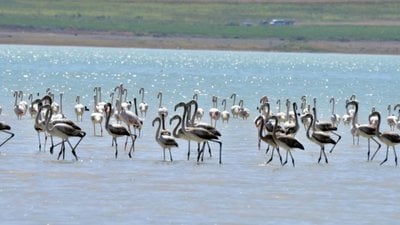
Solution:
(127, 40)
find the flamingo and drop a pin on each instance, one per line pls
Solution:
(33, 106)
(325, 126)
(165, 141)
(64, 131)
(319, 138)
(19, 108)
(244, 113)
(365, 130)
(130, 119)
(285, 141)
(97, 117)
(214, 112)
(178, 132)
(79, 109)
(280, 115)
(347, 117)
(398, 116)
(391, 119)
(143, 106)
(225, 114)
(268, 138)
(40, 125)
(99, 103)
(161, 109)
(117, 130)
(5, 128)
(390, 138)
(199, 111)
(235, 108)
(198, 134)
(292, 129)
(191, 122)
(335, 118)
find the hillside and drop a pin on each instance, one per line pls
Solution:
(327, 26)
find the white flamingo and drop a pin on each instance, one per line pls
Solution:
(79, 109)
(244, 113)
(391, 119)
(235, 108)
(335, 118)
(161, 109)
(199, 112)
(96, 117)
(225, 115)
(214, 112)
(19, 107)
(143, 106)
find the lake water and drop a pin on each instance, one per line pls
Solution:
(36, 188)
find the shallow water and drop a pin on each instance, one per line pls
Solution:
(38, 188)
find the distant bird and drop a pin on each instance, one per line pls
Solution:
(391, 119)
(235, 108)
(5, 128)
(117, 130)
(286, 142)
(225, 114)
(365, 130)
(161, 109)
(165, 141)
(390, 138)
(335, 118)
(97, 117)
(318, 137)
(79, 109)
(20, 107)
(199, 112)
(294, 127)
(33, 106)
(143, 106)
(214, 112)
(244, 113)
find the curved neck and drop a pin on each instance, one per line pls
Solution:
(158, 128)
(175, 130)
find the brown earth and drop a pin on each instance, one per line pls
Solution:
(127, 40)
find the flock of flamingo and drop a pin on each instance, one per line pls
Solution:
(124, 118)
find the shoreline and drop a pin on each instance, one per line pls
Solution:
(129, 40)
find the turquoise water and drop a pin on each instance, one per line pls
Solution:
(38, 188)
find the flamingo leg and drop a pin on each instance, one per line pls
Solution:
(395, 155)
(387, 153)
(377, 149)
(170, 155)
(132, 149)
(337, 141)
(272, 155)
(11, 136)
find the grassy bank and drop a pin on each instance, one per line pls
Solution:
(340, 21)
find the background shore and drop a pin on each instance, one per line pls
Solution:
(128, 40)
